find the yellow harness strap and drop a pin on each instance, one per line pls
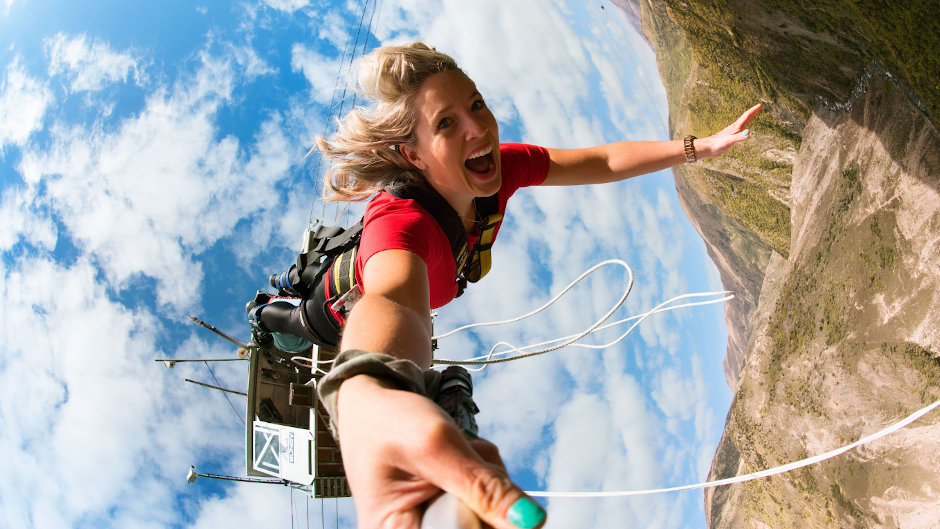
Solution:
(460, 258)
(344, 271)
(480, 261)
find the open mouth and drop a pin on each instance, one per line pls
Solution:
(481, 163)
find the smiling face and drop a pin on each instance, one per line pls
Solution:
(456, 140)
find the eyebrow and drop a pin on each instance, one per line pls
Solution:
(476, 93)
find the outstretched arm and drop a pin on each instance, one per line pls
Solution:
(619, 161)
(400, 449)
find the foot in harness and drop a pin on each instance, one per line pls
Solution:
(313, 296)
(275, 306)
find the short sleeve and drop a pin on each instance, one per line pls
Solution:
(392, 223)
(522, 166)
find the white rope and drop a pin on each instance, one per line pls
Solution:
(753, 475)
(662, 307)
(495, 356)
(551, 301)
(565, 343)
(311, 364)
(510, 348)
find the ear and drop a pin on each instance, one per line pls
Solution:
(412, 156)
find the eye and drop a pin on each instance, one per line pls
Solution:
(478, 104)
(443, 123)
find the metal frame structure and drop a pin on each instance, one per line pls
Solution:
(287, 435)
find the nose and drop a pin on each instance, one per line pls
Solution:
(475, 126)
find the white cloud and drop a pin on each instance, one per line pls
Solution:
(333, 29)
(89, 66)
(287, 5)
(144, 197)
(247, 57)
(628, 71)
(320, 71)
(674, 394)
(609, 443)
(515, 414)
(97, 420)
(137, 197)
(23, 104)
(583, 438)
(235, 512)
(22, 223)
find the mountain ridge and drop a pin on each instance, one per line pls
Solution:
(826, 223)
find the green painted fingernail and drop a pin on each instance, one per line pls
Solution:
(471, 433)
(525, 513)
(746, 132)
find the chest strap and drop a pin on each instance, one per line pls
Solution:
(469, 266)
(480, 260)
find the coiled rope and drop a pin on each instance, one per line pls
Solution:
(495, 356)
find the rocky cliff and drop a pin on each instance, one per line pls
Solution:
(846, 334)
(827, 225)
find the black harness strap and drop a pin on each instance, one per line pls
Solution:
(469, 267)
(327, 241)
(326, 267)
(445, 215)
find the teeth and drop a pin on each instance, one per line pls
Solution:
(484, 152)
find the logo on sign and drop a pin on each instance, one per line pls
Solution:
(290, 447)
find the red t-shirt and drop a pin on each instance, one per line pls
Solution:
(392, 223)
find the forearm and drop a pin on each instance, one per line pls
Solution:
(633, 158)
(619, 161)
(381, 325)
(612, 162)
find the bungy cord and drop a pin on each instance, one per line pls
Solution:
(753, 475)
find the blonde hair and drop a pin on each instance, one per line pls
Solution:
(363, 153)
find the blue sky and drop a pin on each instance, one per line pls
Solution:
(152, 165)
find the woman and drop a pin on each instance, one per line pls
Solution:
(430, 126)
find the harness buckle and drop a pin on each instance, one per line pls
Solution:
(345, 302)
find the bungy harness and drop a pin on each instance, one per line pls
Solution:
(325, 269)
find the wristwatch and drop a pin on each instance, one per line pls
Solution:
(689, 148)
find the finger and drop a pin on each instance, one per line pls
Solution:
(455, 466)
(487, 451)
(747, 117)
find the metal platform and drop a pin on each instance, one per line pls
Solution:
(288, 436)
